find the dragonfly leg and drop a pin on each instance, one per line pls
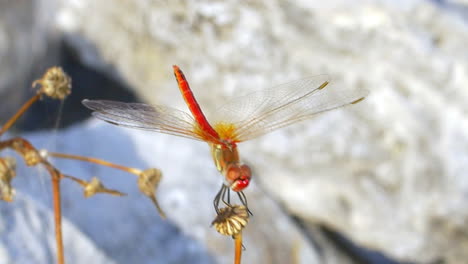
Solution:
(224, 195)
(221, 196)
(243, 200)
(217, 198)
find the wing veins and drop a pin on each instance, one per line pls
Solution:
(279, 108)
(146, 117)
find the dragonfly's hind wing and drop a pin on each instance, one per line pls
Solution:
(146, 117)
(260, 112)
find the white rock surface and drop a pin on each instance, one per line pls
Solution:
(27, 236)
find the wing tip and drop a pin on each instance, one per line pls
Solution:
(358, 100)
(323, 85)
(91, 104)
(86, 102)
(364, 93)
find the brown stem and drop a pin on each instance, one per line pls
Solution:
(58, 218)
(238, 248)
(96, 161)
(56, 176)
(24, 148)
(18, 114)
(160, 210)
(32, 158)
(79, 181)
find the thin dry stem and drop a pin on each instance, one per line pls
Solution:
(93, 187)
(24, 148)
(58, 218)
(56, 177)
(55, 83)
(158, 207)
(32, 158)
(238, 248)
(93, 160)
(148, 180)
(20, 112)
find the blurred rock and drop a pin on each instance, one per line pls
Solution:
(389, 172)
(28, 46)
(27, 236)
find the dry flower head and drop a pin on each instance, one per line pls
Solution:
(148, 182)
(30, 155)
(7, 173)
(95, 186)
(55, 83)
(231, 220)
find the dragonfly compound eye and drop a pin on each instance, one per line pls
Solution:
(246, 173)
(233, 173)
(239, 176)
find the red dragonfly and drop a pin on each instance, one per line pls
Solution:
(242, 119)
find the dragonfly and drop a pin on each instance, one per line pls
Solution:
(240, 119)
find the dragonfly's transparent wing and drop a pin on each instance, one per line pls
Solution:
(146, 117)
(261, 112)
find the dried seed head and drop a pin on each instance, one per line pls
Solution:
(148, 182)
(231, 220)
(31, 157)
(55, 83)
(95, 186)
(7, 173)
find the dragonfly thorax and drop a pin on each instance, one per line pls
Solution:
(226, 159)
(224, 155)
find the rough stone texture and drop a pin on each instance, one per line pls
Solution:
(389, 173)
(27, 236)
(28, 45)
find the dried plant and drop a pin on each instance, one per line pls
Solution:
(230, 221)
(7, 173)
(56, 84)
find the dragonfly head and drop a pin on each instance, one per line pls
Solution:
(238, 175)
